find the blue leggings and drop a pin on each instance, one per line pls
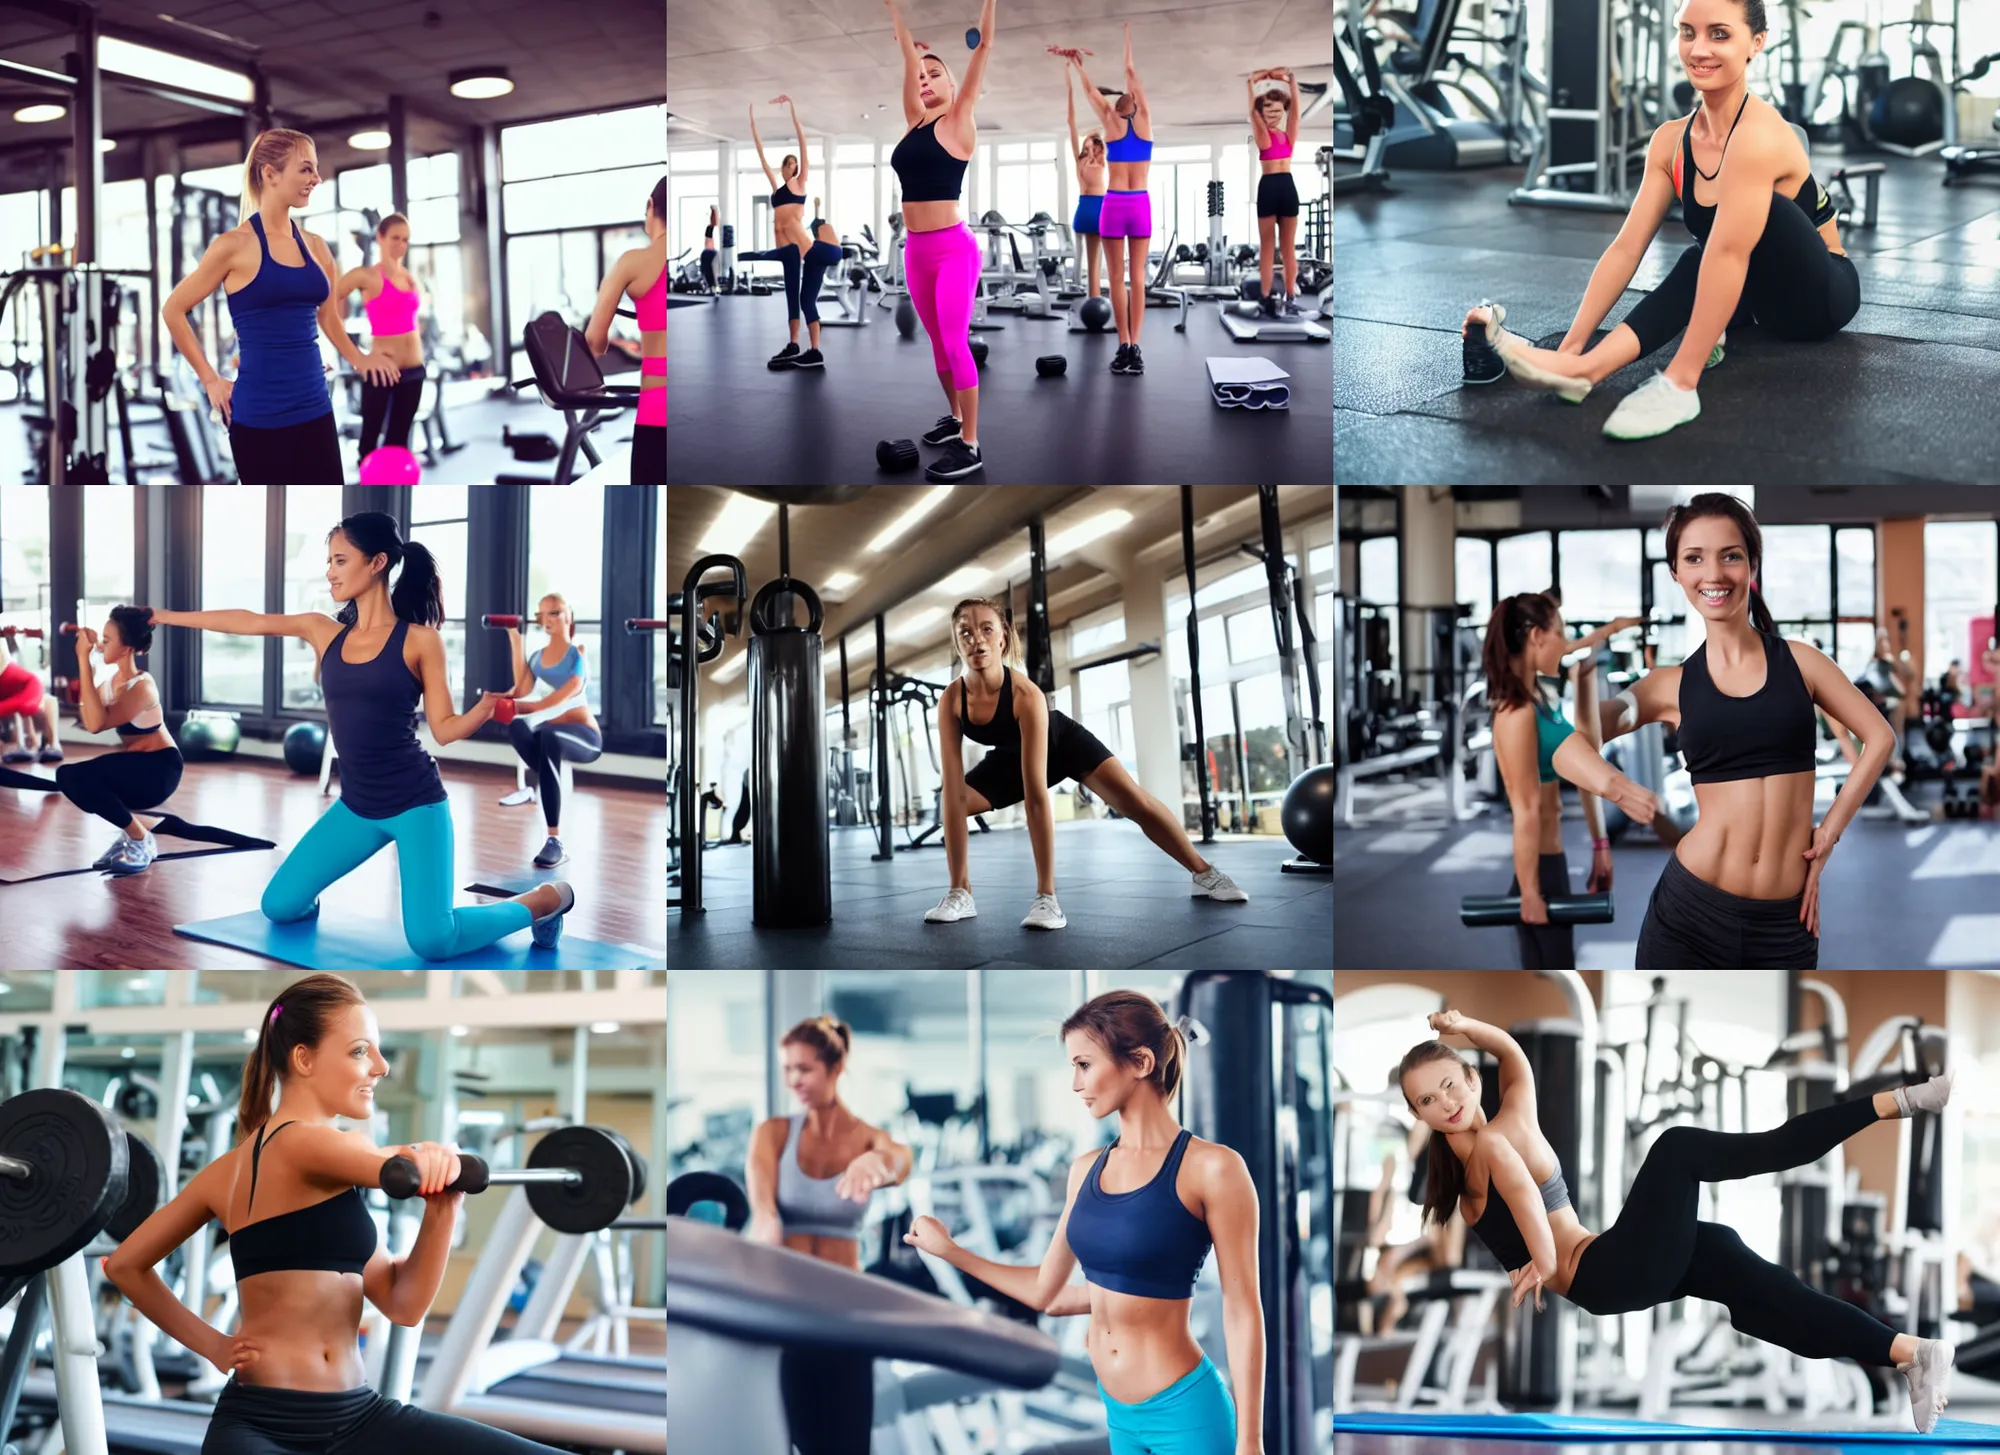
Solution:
(342, 840)
(1192, 1416)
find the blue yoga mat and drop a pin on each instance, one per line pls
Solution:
(372, 944)
(1541, 1428)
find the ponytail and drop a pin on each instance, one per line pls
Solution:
(1760, 614)
(1514, 617)
(297, 1016)
(418, 595)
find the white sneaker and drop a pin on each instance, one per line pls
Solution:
(1511, 349)
(956, 905)
(1044, 914)
(1219, 886)
(1655, 407)
(1929, 1376)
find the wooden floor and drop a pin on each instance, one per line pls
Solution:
(616, 837)
(1344, 1444)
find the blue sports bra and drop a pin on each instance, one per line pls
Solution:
(1144, 1242)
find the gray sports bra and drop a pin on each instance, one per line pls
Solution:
(809, 1204)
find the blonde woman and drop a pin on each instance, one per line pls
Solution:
(810, 1175)
(573, 735)
(1034, 747)
(278, 279)
(1091, 171)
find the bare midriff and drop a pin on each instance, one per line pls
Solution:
(308, 1322)
(1570, 1235)
(1752, 835)
(1139, 1346)
(844, 1251)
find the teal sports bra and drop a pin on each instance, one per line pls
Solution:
(1551, 728)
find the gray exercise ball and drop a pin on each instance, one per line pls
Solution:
(906, 317)
(1096, 314)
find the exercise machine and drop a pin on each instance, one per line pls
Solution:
(696, 639)
(1964, 161)
(860, 275)
(1365, 114)
(1592, 145)
(567, 375)
(1429, 131)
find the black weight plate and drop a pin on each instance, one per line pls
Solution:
(632, 1156)
(597, 1201)
(79, 1161)
(696, 1187)
(145, 1173)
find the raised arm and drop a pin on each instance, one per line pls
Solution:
(1261, 132)
(1655, 697)
(1075, 142)
(798, 182)
(913, 106)
(975, 69)
(1090, 92)
(1132, 78)
(758, 142)
(303, 624)
(1292, 106)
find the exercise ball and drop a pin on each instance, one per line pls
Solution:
(209, 737)
(391, 465)
(906, 317)
(978, 347)
(1308, 814)
(1908, 112)
(1096, 314)
(305, 744)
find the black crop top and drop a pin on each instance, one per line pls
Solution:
(1812, 199)
(786, 197)
(927, 171)
(1771, 731)
(333, 1236)
(1497, 1229)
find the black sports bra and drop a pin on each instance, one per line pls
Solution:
(333, 1236)
(786, 197)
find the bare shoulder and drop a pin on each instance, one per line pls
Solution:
(1025, 689)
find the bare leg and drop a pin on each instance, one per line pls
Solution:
(968, 415)
(950, 395)
(1094, 250)
(1288, 233)
(1612, 353)
(1114, 285)
(1903, 1348)
(1135, 303)
(812, 332)
(1267, 250)
(1042, 837)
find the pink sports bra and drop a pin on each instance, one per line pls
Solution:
(652, 305)
(1278, 150)
(393, 311)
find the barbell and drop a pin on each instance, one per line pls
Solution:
(65, 1177)
(579, 1179)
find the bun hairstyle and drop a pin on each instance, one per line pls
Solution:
(1506, 638)
(418, 595)
(298, 1016)
(825, 1037)
(135, 625)
(1126, 1022)
(1714, 503)
(1444, 1182)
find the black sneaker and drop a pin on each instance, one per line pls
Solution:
(784, 358)
(1119, 359)
(1268, 304)
(552, 854)
(810, 359)
(958, 460)
(1133, 363)
(947, 429)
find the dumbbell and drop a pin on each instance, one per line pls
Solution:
(1051, 366)
(1482, 911)
(501, 619)
(896, 455)
(33, 632)
(637, 624)
(579, 1179)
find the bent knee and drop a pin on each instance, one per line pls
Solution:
(282, 908)
(434, 939)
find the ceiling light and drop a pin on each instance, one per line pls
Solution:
(41, 111)
(369, 141)
(481, 83)
(930, 500)
(737, 526)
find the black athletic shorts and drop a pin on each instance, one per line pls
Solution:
(1277, 195)
(1075, 752)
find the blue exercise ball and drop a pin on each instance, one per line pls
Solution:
(305, 744)
(1307, 814)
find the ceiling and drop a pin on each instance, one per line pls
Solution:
(838, 60)
(971, 525)
(338, 63)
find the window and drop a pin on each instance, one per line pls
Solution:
(1961, 582)
(1525, 565)
(1103, 690)
(1474, 565)
(1089, 641)
(1251, 635)
(1854, 556)
(438, 519)
(1600, 574)
(1267, 759)
(566, 555)
(310, 512)
(1797, 579)
(232, 576)
(108, 563)
(24, 554)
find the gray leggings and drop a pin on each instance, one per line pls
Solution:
(251, 1420)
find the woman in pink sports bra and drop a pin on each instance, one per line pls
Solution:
(390, 293)
(1274, 116)
(641, 275)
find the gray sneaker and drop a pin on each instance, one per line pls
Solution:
(132, 856)
(955, 906)
(1044, 914)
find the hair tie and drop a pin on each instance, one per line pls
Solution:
(1192, 1030)
(276, 1011)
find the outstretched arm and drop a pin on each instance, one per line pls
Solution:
(1132, 76)
(1608, 280)
(1090, 92)
(1069, 98)
(975, 69)
(1292, 108)
(757, 141)
(798, 182)
(913, 106)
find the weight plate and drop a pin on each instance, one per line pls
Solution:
(690, 1188)
(599, 1199)
(79, 1160)
(632, 1156)
(145, 1175)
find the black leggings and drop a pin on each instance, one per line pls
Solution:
(649, 454)
(1658, 1252)
(829, 1399)
(1549, 946)
(112, 785)
(541, 747)
(1795, 288)
(787, 257)
(250, 1420)
(1692, 925)
(397, 402)
(297, 454)
(819, 258)
(708, 267)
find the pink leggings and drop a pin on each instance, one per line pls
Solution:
(943, 268)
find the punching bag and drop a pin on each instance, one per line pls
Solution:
(791, 854)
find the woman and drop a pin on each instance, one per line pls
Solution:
(390, 294)
(1766, 245)
(304, 1248)
(1090, 173)
(640, 274)
(148, 769)
(941, 258)
(823, 254)
(278, 279)
(571, 736)
(31, 708)
(708, 249)
(1741, 890)
(1274, 120)
(380, 659)
(1034, 747)
(1140, 1216)
(1534, 746)
(1127, 220)
(809, 1177)
(1504, 1176)
(788, 213)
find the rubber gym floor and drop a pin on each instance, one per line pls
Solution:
(732, 421)
(1127, 904)
(1892, 897)
(1902, 394)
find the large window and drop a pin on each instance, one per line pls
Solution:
(1106, 695)
(1600, 574)
(1797, 578)
(232, 577)
(1473, 562)
(107, 542)
(310, 512)
(438, 519)
(1525, 564)
(566, 556)
(1854, 558)
(1961, 582)
(24, 554)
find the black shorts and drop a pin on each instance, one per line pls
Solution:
(1692, 925)
(1075, 752)
(1277, 195)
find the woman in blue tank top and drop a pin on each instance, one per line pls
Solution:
(379, 661)
(571, 736)
(278, 281)
(1140, 1216)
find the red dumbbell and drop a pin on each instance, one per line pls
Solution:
(499, 619)
(503, 710)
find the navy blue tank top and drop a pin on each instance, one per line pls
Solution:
(333, 1236)
(280, 381)
(371, 712)
(1144, 1242)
